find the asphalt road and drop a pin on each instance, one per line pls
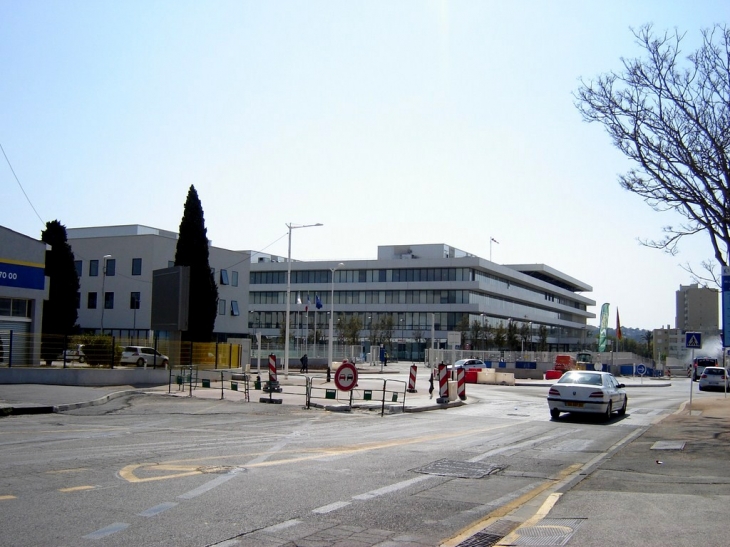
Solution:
(155, 470)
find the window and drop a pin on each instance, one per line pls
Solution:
(234, 308)
(91, 300)
(78, 265)
(93, 268)
(108, 300)
(136, 266)
(234, 278)
(134, 299)
(111, 267)
(224, 277)
(221, 307)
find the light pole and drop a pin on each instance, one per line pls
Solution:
(288, 294)
(332, 320)
(103, 282)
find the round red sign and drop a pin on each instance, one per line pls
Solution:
(346, 376)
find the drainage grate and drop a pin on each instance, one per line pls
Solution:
(464, 470)
(668, 445)
(491, 535)
(550, 532)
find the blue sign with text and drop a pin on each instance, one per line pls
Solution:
(22, 276)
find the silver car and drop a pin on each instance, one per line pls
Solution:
(587, 391)
(143, 356)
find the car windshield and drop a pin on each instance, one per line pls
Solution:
(581, 378)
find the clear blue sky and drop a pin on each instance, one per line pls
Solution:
(388, 122)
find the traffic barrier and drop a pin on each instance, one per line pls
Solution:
(471, 376)
(443, 380)
(553, 374)
(272, 368)
(412, 379)
(461, 384)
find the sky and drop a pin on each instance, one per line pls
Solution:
(389, 122)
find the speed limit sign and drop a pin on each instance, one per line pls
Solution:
(346, 376)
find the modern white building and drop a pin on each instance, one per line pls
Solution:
(23, 287)
(115, 265)
(421, 287)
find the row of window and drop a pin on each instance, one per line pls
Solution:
(14, 307)
(409, 275)
(134, 302)
(110, 270)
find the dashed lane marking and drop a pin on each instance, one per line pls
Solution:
(76, 489)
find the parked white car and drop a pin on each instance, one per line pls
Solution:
(587, 391)
(714, 378)
(74, 354)
(143, 356)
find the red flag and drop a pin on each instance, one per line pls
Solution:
(618, 326)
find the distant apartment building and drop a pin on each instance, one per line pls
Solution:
(698, 309)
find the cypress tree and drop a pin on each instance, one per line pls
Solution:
(59, 311)
(192, 250)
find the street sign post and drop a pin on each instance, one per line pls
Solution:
(693, 341)
(725, 306)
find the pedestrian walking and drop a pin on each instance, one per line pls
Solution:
(385, 359)
(305, 363)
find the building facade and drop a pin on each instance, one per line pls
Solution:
(115, 265)
(420, 288)
(23, 288)
(697, 309)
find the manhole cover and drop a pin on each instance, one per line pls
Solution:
(548, 532)
(464, 470)
(668, 445)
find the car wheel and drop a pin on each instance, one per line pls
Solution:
(140, 362)
(700, 388)
(622, 412)
(554, 413)
(165, 363)
(82, 359)
(609, 410)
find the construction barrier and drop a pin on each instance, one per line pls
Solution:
(443, 381)
(461, 384)
(412, 379)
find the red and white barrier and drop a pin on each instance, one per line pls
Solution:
(461, 384)
(412, 379)
(272, 368)
(443, 381)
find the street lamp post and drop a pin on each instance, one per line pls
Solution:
(332, 320)
(103, 282)
(288, 294)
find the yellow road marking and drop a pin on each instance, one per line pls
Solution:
(185, 468)
(75, 470)
(533, 520)
(7, 497)
(511, 506)
(76, 489)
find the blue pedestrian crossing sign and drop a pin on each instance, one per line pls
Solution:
(693, 340)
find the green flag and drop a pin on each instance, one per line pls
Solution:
(603, 326)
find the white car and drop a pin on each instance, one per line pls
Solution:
(143, 356)
(469, 364)
(587, 391)
(714, 378)
(75, 354)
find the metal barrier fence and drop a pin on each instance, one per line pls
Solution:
(195, 378)
(369, 392)
(27, 349)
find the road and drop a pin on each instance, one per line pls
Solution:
(153, 470)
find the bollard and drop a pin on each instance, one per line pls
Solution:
(443, 384)
(412, 379)
(461, 384)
